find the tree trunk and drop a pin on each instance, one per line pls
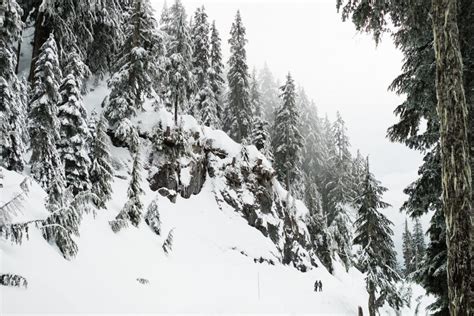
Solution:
(456, 171)
(176, 111)
(372, 307)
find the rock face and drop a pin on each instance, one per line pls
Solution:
(242, 178)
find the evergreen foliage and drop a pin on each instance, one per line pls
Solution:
(179, 52)
(260, 136)
(101, 172)
(152, 217)
(168, 243)
(46, 165)
(205, 105)
(288, 142)
(374, 236)
(12, 92)
(136, 67)
(216, 71)
(74, 133)
(408, 251)
(269, 93)
(134, 207)
(238, 112)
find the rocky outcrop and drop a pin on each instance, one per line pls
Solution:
(244, 180)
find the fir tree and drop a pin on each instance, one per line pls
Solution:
(260, 136)
(342, 191)
(269, 93)
(408, 250)
(108, 36)
(101, 172)
(152, 217)
(287, 143)
(45, 161)
(317, 223)
(374, 235)
(79, 70)
(134, 207)
(419, 243)
(74, 134)
(216, 71)
(314, 153)
(238, 113)
(12, 92)
(205, 104)
(135, 71)
(414, 37)
(179, 52)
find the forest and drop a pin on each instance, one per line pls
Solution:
(123, 117)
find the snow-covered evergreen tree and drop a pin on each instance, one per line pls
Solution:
(46, 165)
(136, 68)
(408, 250)
(179, 52)
(342, 191)
(152, 217)
(201, 47)
(108, 36)
(260, 136)
(419, 243)
(12, 92)
(74, 134)
(101, 172)
(205, 104)
(134, 207)
(374, 236)
(288, 142)
(317, 223)
(238, 110)
(269, 93)
(314, 152)
(80, 71)
(216, 72)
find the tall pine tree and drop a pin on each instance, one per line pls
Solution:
(74, 133)
(408, 250)
(216, 72)
(288, 142)
(179, 52)
(205, 103)
(238, 113)
(12, 101)
(260, 136)
(101, 172)
(46, 165)
(374, 236)
(135, 70)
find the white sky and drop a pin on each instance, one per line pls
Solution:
(341, 69)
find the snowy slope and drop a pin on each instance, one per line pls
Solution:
(211, 268)
(205, 272)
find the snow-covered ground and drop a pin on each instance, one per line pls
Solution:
(210, 269)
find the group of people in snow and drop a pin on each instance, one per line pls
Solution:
(318, 286)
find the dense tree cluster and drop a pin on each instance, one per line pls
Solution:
(177, 64)
(414, 35)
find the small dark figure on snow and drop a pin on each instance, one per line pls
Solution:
(320, 286)
(316, 284)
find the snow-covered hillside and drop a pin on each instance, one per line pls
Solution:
(210, 269)
(218, 262)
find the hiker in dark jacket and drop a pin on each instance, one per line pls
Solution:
(320, 286)
(316, 284)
